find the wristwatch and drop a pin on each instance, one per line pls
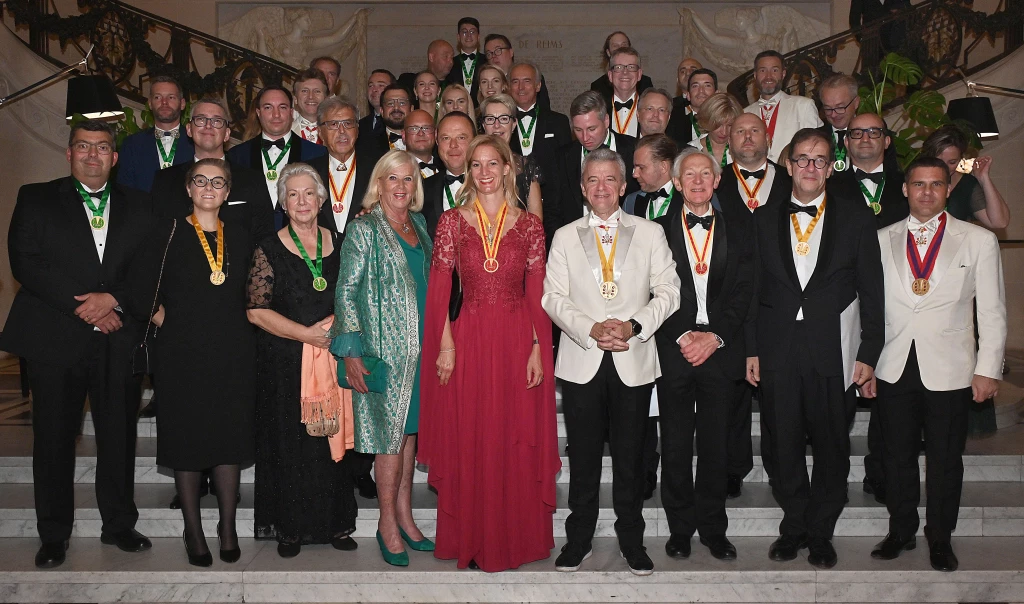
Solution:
(637, 328)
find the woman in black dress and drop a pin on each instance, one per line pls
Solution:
(302, 494)
(205, 347)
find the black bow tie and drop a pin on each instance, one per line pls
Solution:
(627, 105)
(425, 166)
(470, 56)
(96, 194)
(279, 143)
(451, 178)
(875, 177)
(693, 220)
(520, 114)
(656, 194)
(394, 138)
(810, 210)
(758, 174)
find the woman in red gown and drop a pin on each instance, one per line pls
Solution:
(487, 423)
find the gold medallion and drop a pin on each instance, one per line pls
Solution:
(319, 284)
(526, 142)
(271, 175)
(609, 290)
(217, 277)
(920, 287)
(491, 265)
(840, 165)
(876, 208)
(803, 248)
(97, 222)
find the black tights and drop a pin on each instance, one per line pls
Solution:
(225, 480)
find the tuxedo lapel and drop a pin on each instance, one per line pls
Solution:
(78, 229)
(951, 242)
(622, 247)
(719, 258)
(828, 243)
(677, 242)
(785, 249)
(295, 153)
(256, 154)
(898, 243)
(115, 225)
(586, 235)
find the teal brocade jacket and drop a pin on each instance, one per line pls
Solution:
(376, 315)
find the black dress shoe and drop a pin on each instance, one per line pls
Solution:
(229, 555)
(200, 560)
(786, 547)
(940, 554)
(572, 557)
(128, 540)
(288, 550)
(650, 484)
(720, 547)
(892, 546)
(733, 486)
(367, 488)
(821, 554)
(876, 488)
(678, 547)
(52, 555)
(473, 565)
(345, 544)
(639, 562)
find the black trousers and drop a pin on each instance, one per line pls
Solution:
(58, 398)
(651, 455)
(874, 461)
(694, 506)
(741, 447)
(905, 408)
(605, 405)
(797, 403)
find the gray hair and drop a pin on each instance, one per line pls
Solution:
(334, 103)
(586, 102)
(660, 91)
(213, 100)
(299, 169)
(840, 80)
(536, 70)
(687, 152)
(604, 154)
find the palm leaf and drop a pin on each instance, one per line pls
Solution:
(900, 69)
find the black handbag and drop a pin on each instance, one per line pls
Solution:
(455, 300)
(140, 355)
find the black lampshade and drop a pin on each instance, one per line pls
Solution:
(94, 97)
(977, 110)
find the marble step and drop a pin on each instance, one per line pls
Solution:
(990, 571)
(987, 509)
(16, 464)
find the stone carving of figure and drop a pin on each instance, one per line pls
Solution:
(742, 32)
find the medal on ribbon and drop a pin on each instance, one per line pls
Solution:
(609, 289)
(217, 276)
(653, 213)
(96, 222)
(803, 247)
(752, 202)
(317, 268)
(840, 163)
(622, 127)
(525, 133)
(874, 201)
(490, 234)
(922, 269)
(272, 166)
(167, 159)
(769, 117)
(725, 154)
(699, 266)
(338, 203)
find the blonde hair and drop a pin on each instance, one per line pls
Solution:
(386, 165)
(720, 109)
(504, 81)
(470, 109)
(468, 192)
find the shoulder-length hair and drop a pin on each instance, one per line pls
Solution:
(385, 166)
(468, 192)
(501, 74)
(451, 88)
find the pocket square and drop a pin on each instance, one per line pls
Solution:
(235, 203)
(549, 135)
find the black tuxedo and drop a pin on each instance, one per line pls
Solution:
(434, 200)
(549, 135)
(364, 168)
(455, 75)
(894, 205)
(367, 128)
(715, 385)
(603, 86)
(570, 202)
(53, 256)
(376, 143)
(679, 126)
(803, 390)
(248, 205)
(890, 159)
(732, 202)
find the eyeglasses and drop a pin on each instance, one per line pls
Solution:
(396, 103)
(101, 148)
(200, 121)
(468, 32)
(504, 120)
(631, 68)
(336, 124)
(419, 129)
(803, 161)
(654, 108)
(858, 133)
(217, 182)
(838, 110)
(490, 54)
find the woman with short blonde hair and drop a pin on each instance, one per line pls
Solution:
(527, 173)
(456, 98)
(715, 120)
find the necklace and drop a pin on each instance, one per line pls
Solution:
(404, 225)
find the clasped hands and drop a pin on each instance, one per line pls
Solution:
(612, 334)
(697, 346)
(97, 309)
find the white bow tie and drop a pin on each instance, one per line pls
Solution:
(931, 226)
(596, 222)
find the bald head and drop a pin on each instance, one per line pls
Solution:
(439, 58)
(686, 67)
(866, 152)
(749, 141)
(419, 134)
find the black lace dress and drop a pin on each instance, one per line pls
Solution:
(301, 493)
(527, 172)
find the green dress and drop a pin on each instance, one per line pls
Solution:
(415, 258)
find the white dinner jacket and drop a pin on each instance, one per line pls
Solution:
(648, 292)
(796, 112)
(941, 322)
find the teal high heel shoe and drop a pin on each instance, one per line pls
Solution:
(399, 559)
(426, 545)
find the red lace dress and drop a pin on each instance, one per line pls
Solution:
(491, 444)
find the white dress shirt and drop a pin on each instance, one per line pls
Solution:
(99, 236)
(764, 191)
(869, 184)
(805, 264)
(632, 127)
(700, 282)
(525, 125)
(453, 190)
(306, 129)
(339, 177)
(658, 207)
(923, 232)
(274, 153)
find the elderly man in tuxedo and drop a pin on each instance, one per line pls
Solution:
(611, 282)
(783, 113)
(701, 348)
(937, 268)
(71, 242)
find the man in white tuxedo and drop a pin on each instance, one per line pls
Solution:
(611, 282)
(784, 114)
(937, 269)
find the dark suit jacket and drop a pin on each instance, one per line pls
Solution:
(728, 191)
(894, 205)
(603, 86)
(250, 155)
(570, 203)
(364, 167)
(54, 258)
(433, 200)
(248, 205)
(138, 159)
(636, 203)
(848, 266)
(366, 127)
(455, 75)
(549, 135)
(730, 289)
(678, 128)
